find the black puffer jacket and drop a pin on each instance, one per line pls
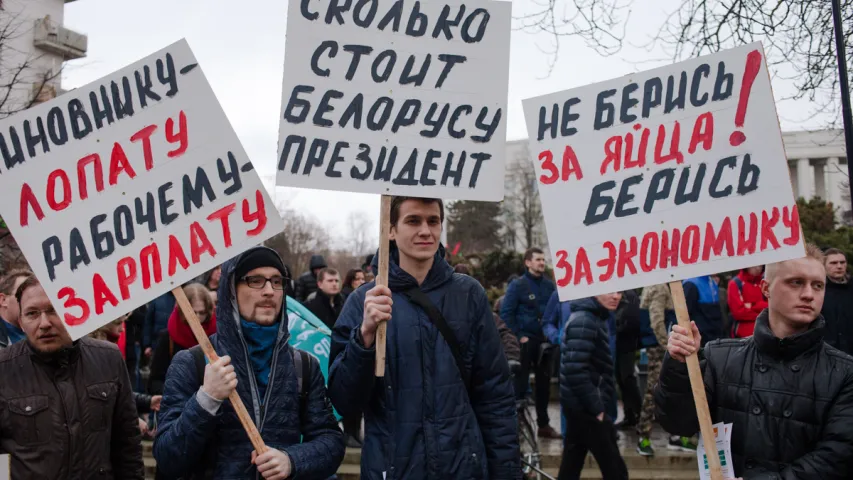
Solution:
(838, 313)
(586, 367)
(790, 400)
(306, 284)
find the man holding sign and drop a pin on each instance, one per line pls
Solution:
(788, 394)
(66, 408)
(200, 432)
(446, 402)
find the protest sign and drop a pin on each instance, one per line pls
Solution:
(723, 436)
(664, 175)
(396, 98)
(5, 467)
(124, 189)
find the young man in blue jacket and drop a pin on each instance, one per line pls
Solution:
(525, 303)
(200, 435)
(445, 408)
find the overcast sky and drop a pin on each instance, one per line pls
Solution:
(240, 46)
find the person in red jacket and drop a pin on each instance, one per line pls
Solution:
(746, 301)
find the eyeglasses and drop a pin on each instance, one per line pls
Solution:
(258, 282)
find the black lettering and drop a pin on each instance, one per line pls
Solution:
(353, 111)
(296, 102)
(391, 55)
(407, 114)
(443, 23)
(407, 77)
(681, 195)
(407, 174)
(456, 175)
(123, 225)
(383, 170)
(77, 250)
(659, 188)
(166, 75)
(285, 152)
(336, 158)
(329, 45)
(545, 125)
(701, 71)
(145, 213)
(11, 159)
(628, 102)
(101, 114)
(714, 191)
(324, 107)
(356, 51)
(165, 217)
(449, 62)
(723, 78)
(371, 13)
(100, 238)
(568, 117)
(51, 249)
(144, 87)
(193, 192)
(303, 8)
(394, 14)
(652, 92)
(748, 179)
(377, 125)
(437, 123)
(626, 197)
(39, 138)
(597, 201)
(487, 128)
(603, 108)
(676, 102)
(335, 10)
(455, 118)
(416, 17)
(232, 174)
(56, 126)
(479, 158)
(77, 114)
(122, 106)
(428, 167)
(484, 15)
(316, 154)
(364, 156)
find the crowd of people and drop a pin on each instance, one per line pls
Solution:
(774, 344)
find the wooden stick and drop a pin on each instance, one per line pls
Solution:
(382, 277)
(697, 385)
(204, 342)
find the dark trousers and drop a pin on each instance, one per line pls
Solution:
(530, 360)
(627, 381)
(352, 426)
(584, 433)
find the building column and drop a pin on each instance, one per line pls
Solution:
(833, 176)
(805, 179)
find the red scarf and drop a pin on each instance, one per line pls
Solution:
(181, 332)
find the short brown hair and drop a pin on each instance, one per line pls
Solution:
(462, 268)
(8, 281)
(812, 252)
(198, 291)
(396, 202)
(30, 281)
(833, 251)
(326, 271)
(528, 255)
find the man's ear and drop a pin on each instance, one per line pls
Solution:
(765, 288)
(392, 235)
(4, 300)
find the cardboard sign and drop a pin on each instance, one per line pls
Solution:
(664, 175)
(125, 188)
(396, 97)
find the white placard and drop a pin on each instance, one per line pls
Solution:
(5, 467)
(664, 175)
(396, 97)
(125, 188)
(723, 438)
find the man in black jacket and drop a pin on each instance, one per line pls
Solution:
(306, 284)
(587, 387)
(788, 394)
(328, 301)
(838, 303)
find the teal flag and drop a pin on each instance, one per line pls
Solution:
(308, 333)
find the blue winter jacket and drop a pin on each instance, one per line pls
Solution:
(189, 439)
(157, 318)
(703, 304)
(420, 421)
(587, 383)
(525, 303)
(556, 314)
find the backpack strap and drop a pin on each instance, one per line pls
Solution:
(302, 366)
(419, 298)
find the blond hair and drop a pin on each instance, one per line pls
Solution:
(812, 252)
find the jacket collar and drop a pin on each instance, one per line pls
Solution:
(590, 304)
(399, 280)
(63, 357)
(787, 348)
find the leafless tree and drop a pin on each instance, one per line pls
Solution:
(302, 237)
(23, 84)
(522, 209)
(797, 34)
(361, 232)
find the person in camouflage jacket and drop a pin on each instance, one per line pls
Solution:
(657, 300)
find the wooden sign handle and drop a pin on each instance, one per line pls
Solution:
(204, 342)
(382, 277)
(697, 385)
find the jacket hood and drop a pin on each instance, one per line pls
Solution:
(591, 305)
(790, 347)
(317, 261)
(228, 315)
(747, 277)
(399, 280)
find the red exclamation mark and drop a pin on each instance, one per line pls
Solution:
(753, 64)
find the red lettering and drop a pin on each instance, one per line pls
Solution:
(612, 154)
(649, 252)
(179, 137)
(199, 243)
(145, 136)
(791, 219)
(717, 242)
(94, 159)
(583, 271)
(126, 274)
(58, 206)
(547, 159)
(669, 251)
(609, 263)
(641, 152)
(102, 294)
(176, 255)
(565, 266)
(627, 252)
(222, 215)
(119, 164)
(28, 200)
(703, 132)
(260, 215)
(149, 258)
(767, 224)
(674, 153)
(744, 244)
(690, 243)
(570, 164)
(73, 301)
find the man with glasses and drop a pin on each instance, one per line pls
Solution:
(200, 435)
